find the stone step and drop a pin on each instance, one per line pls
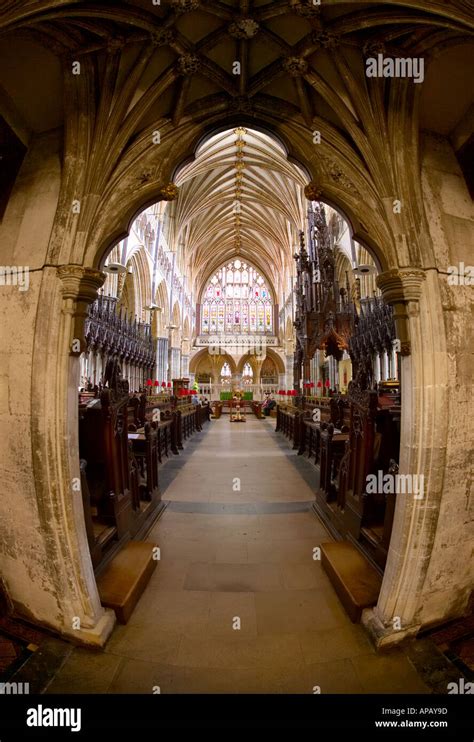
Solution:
(355, 580)
(124, 579)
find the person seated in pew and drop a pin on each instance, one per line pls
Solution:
(269, 404)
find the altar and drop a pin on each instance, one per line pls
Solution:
(237, 408)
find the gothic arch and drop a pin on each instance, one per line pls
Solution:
(141, 277)
(247, 358)
(186, 337)
(117, 175)
(127, 298)
(197, 359)
(162, 314)
(112, 222)
(176, 328)
(279, 364)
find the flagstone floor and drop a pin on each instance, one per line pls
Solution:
(237, 604)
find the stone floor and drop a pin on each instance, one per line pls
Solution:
(237, 604)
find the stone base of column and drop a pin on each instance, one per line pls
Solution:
(385, 637)
(95, 636)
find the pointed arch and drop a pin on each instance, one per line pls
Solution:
(162, 314)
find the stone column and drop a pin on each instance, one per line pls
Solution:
(377, 370)
(289, 360)
(66, 294)
(394, 364)
(396, 614)
(184, 366)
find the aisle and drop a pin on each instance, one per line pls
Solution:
(237, 603)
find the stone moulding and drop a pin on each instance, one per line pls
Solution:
(400, 287)
(79, 288)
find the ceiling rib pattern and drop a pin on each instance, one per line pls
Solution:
(186, 65)
(240, 196)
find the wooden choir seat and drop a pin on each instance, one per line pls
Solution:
(125, 577)
(354, 579)
(123, 440)
(347, 438)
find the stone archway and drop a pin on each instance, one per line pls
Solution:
(401, 288)
(112, 184)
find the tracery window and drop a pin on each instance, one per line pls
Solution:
(226, 373)
(248, 370)
(237, 300)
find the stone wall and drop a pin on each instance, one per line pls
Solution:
(24, 235)
(450, 212)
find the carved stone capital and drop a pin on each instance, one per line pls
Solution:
(79, 282)
(79, 289)
(400, 287)
(401, 284)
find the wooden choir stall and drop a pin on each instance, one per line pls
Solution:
(123, 441)
(348, 437)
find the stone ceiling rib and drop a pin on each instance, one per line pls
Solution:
(270, 199)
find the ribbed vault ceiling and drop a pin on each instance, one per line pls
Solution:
(240, 196)
(171, 68)
(175, 59)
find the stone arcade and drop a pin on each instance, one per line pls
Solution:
(131, 284)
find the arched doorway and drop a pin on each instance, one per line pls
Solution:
(175, 321)
(129, 178)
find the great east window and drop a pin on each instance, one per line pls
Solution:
(237, 300)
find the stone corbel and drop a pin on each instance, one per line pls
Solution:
(313, 191)
(79, 289)
(401, 288)
(168, 192)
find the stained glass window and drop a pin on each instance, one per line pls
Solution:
(213, 316)
(205, 317)
(237, 300)
(225, 371)
(220, 317)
